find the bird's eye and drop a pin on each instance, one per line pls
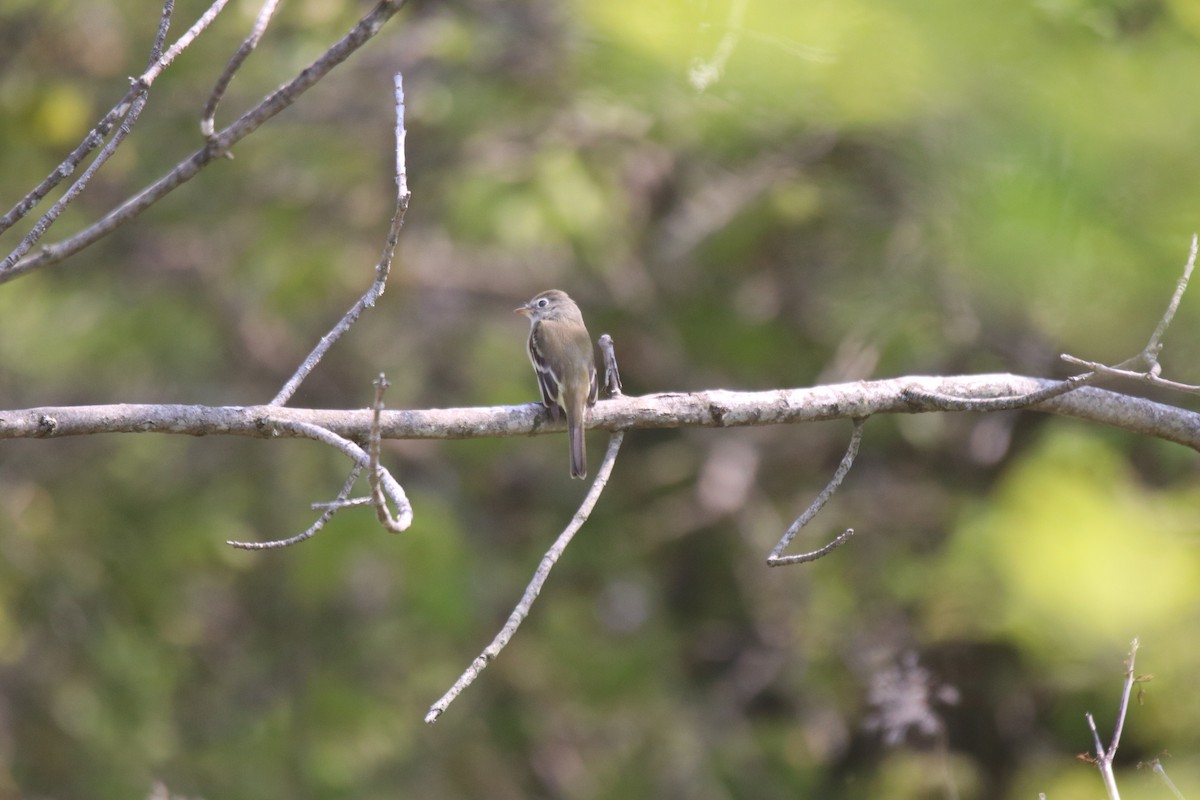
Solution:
(543, 303)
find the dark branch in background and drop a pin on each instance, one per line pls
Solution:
(217, 146)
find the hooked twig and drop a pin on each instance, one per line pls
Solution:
(776, 559)
(379, 476)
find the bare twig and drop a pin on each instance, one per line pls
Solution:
(260, 26)
(776, 558)
(1150, 376)
(361, 459)
(329, 509)
(383, 485)
(1147, 358)
(535, 586)
(393, 524)
(382, 269)
(703, 73)
(216, 147)
(1154, 346)
(1104, 757)
(612, 375)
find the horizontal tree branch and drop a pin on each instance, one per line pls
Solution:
(716, 408)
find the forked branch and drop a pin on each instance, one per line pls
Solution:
(1105, 755)
(217, 146)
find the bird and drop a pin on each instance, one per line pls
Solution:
(560, 350)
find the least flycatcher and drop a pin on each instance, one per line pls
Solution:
(561, 352)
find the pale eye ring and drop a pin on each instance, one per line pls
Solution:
(543, 303)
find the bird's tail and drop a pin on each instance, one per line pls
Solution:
(578, 452)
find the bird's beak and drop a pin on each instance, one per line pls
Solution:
(523, 311)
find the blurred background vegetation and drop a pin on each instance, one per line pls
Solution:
(745, 194)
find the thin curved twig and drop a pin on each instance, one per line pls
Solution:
(1105, 756)
(328, 510)
(776, 558)
(535, 585)
(377, 476)
(243, 52)
(382, 269)
(361, 460)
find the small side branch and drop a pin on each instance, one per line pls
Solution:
(1145, 366)
(379, 476)
(207, 128)
(382, 268)
(328, 510)
(1105, 756)
(1154, 346)
(361, 459)
(777, 559)
(1157, 767)
(535, 586)
(1150, 368)
(612, 375)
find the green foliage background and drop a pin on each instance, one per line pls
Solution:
(862, 189)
